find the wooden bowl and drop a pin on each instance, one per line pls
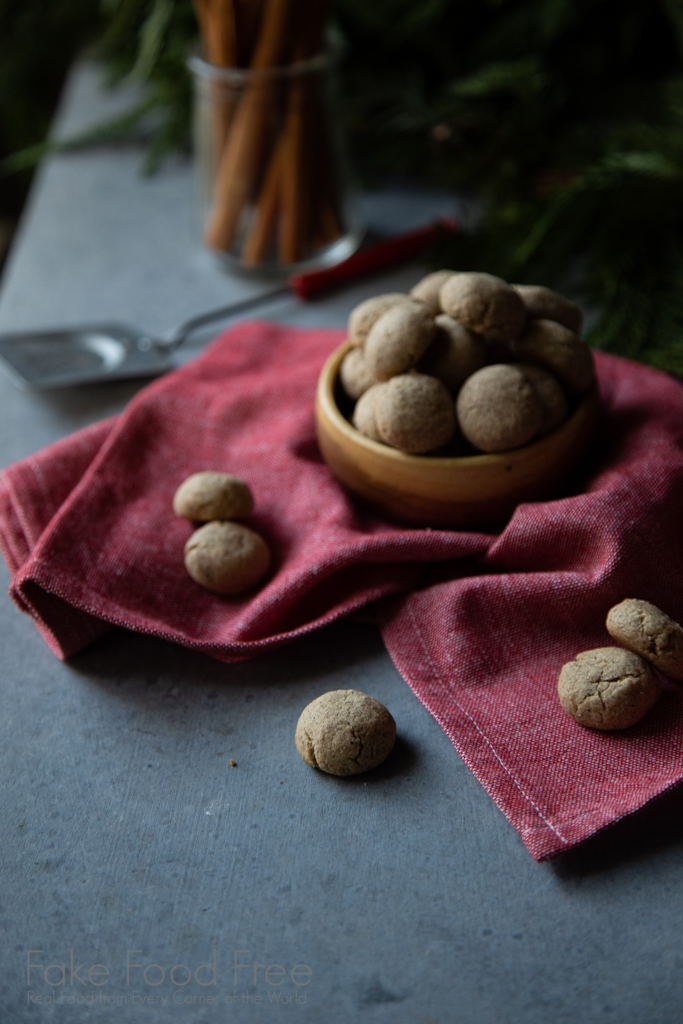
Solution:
(430, 491)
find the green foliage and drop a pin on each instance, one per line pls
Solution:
(561, 119)
(148, 41)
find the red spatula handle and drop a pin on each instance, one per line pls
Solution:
(367, 261)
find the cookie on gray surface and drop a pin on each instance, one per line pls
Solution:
(499, 409)
(208, 495)
(643, 628)
(345, 732)
(485, 304)
(607, 688)
(415, 413)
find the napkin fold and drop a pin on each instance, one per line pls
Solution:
(479, 624)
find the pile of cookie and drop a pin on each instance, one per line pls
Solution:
(224, 556)
(613, 687)
(464, 359)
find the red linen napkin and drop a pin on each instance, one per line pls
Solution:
(479, 625)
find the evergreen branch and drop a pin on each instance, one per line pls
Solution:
(116, 129)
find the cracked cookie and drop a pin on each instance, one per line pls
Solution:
(607, 688)
(345, 732)
(645, 629)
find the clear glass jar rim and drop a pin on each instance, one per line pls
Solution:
(240, 76)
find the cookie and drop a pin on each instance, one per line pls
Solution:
(367, 313)
(206, 496)
(454, 354)
(607, 688)
(485, 304)
(553, 398)
(427, 290)
(227, 558)
(345, 732)
(645, 629)
(544, 304)
(557, 349)
(415, 413)
(354, 374)
(365, 412)
(398, 339)
(499, 409)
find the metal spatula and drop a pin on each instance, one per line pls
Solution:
(39, 360)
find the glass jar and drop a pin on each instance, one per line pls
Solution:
(271, 175)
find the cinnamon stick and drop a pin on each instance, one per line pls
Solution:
(217, 25)
(294, 172)
(261, 232)
(247, 142)
(248, 15)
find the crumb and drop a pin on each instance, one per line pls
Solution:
(233, 764)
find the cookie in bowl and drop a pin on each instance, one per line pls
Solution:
(518, 428)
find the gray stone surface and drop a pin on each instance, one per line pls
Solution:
(405, 892)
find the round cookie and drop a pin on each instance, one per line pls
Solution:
(364, 315)
(499, 409)
(559, 350)
(454, 354)
(415, 413)
(544, 304)
(345, 732)
(354, 374)
(607, 688)
(227, 558)
(643, 628)
(365, 413)
(553, 398)
(206, 496)
(398, 339)
(427, 290)
(485, 304)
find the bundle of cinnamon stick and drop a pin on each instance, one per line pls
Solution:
(276, 195)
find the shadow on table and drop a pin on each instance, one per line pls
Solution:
(155, 673)
(654, 828)
(140, 660)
